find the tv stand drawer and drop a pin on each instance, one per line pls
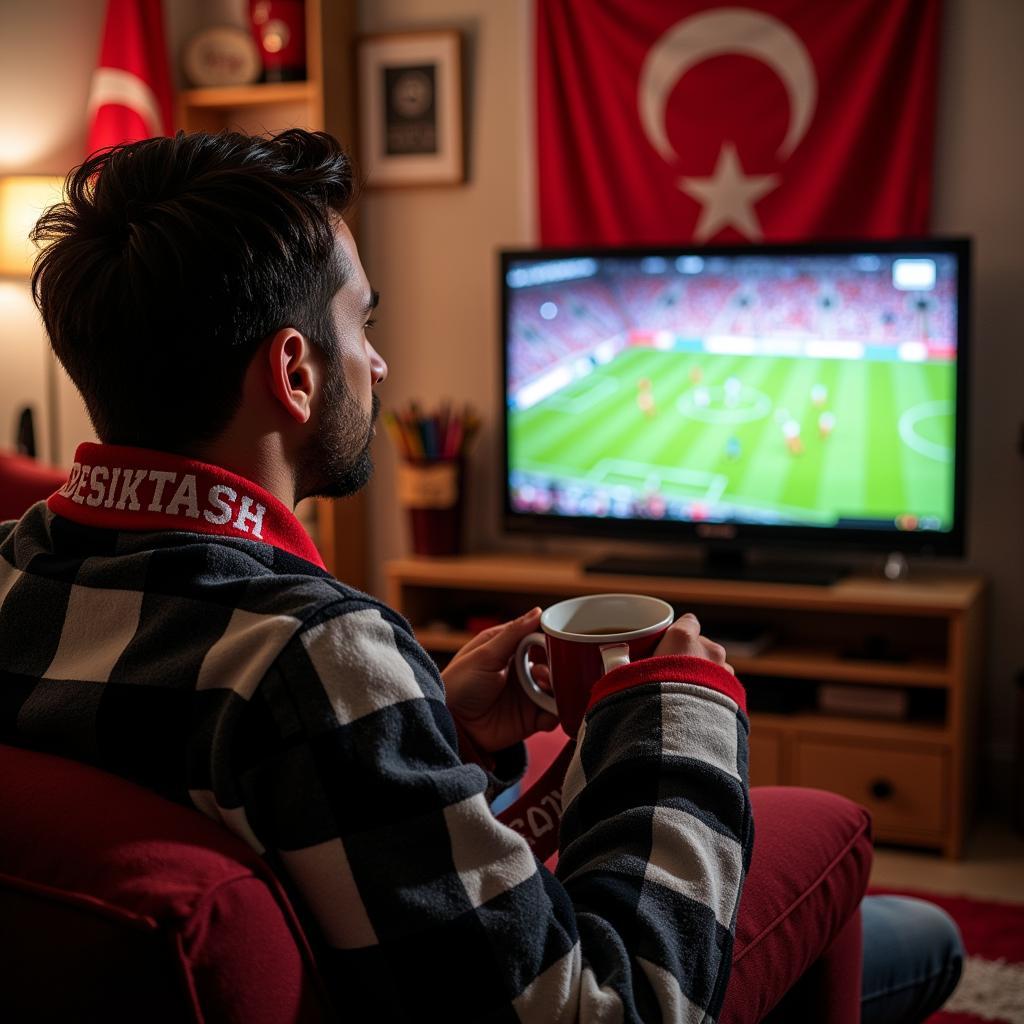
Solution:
(766, 747)
(903, 789)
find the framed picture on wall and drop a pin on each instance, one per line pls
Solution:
(410, 108)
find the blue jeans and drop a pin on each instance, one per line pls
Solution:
(912, 959)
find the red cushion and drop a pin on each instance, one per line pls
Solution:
(23, 482)
(829, 991)
(810, 867)
(142, 906)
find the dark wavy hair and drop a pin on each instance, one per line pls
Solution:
(170, 260)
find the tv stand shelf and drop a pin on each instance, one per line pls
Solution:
(922, 637)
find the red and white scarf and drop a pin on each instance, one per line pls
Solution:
(120, 488)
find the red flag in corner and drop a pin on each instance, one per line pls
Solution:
(660, 121)
(130, 97)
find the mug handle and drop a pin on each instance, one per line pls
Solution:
(529, 684)
(614, 655)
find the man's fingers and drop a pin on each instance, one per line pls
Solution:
(541, 675)
(683, 637)
(715, 652)
(545, 721)
(522, 625)
(503, 643)
(684, 633)
(687, 623)
(481, 638)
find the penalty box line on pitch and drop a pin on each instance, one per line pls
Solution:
(713, 484)
(581, 403)
(568, 473)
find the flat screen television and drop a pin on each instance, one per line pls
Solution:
(739, 396)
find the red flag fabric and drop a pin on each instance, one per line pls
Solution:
(130, 97)
(662, 121)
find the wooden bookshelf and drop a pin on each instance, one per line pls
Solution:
(324, 101)
(915, 775)
(261, 94)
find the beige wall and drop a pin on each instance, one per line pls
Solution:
(26, 361)
(430, 252)
(50, 49)
(980, 153)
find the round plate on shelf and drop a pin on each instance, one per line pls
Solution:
(222, 55)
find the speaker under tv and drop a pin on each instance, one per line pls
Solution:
(806, 396)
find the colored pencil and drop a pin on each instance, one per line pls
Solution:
(421, 436)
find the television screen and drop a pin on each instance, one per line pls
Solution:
(789, 391)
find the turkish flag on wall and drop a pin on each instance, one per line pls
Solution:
(669, 120)
(130, 97)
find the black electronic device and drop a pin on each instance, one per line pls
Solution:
(739, 396)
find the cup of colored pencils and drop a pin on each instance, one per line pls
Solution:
(431, 474)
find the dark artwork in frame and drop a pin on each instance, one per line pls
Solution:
(410, 110)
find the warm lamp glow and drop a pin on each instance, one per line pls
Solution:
(22, 199)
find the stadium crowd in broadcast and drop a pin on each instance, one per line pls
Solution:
(551, 323)
(731, 388)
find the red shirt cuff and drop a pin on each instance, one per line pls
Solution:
(675, 668)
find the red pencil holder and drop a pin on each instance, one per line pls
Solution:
(432, 492)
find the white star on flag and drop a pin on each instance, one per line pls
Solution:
(727, 198)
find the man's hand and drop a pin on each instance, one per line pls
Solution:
(483, 691)
(683, 637)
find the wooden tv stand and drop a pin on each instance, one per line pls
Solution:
(922, 637)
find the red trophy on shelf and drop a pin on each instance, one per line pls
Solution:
(279, 28)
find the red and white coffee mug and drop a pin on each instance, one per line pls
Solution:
(585, 637)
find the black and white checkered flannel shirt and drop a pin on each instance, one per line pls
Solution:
(238, 677)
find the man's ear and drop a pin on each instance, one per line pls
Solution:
(291, 374)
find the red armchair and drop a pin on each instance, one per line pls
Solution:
(118, 905)
(23, 482)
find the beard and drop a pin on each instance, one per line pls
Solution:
(337, 460)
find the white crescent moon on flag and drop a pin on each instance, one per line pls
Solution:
(113, 85)
(713, 34)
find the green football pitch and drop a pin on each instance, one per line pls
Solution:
(716, 434)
